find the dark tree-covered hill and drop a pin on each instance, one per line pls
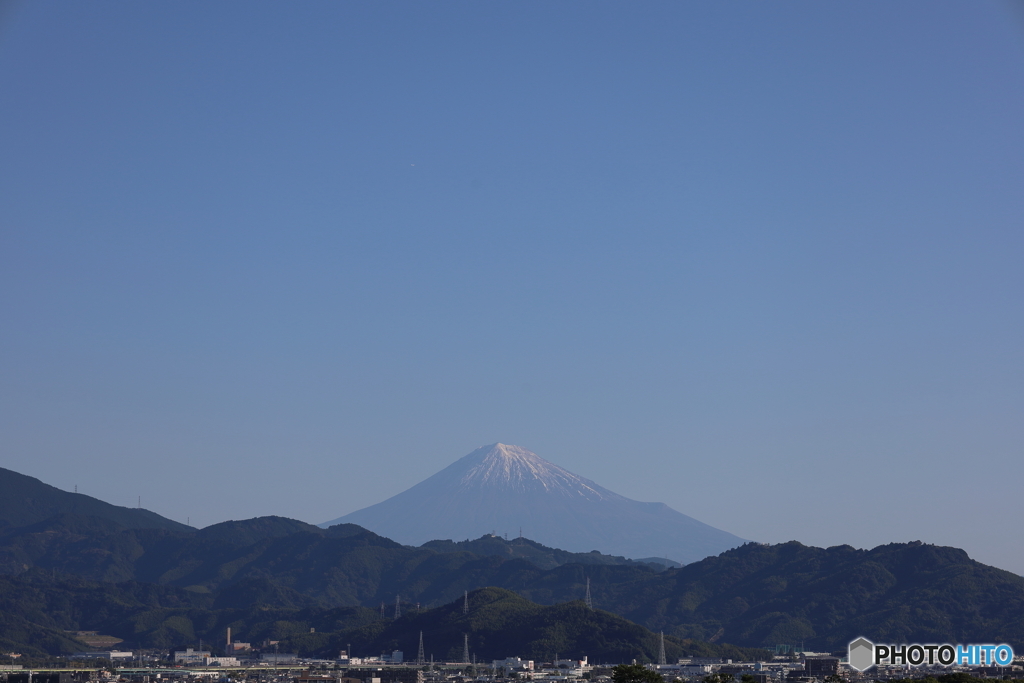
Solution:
(37, 611)
(501, 624)
(26, 500)
(754, 595)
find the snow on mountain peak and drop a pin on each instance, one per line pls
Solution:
(512, 467)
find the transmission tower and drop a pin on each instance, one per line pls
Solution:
(465, 604)
(661, 650)
(381, 609)
(420, 656)
(465, 648)
(590, 603)
(398, 607)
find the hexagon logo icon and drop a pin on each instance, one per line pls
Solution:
(861, 654)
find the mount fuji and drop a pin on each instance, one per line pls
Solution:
(508, 489)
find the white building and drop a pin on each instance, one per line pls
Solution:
(572, 664)
(220, 661)
(513, 664)
(275, 658)
(103, 654)
(190, 656)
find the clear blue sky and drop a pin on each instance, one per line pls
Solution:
(759, 261)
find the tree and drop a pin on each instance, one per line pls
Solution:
(634, 673)
(718, 678)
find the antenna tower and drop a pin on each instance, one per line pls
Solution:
(419, 655)
(465, 648)
(398, 607)
(661, 650)
(465, 605)
(590, 603)
(381, 609)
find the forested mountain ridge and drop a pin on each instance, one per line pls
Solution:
(755, 595)
(25, 500)
(342, 565)
(38, 610)
(825, 597)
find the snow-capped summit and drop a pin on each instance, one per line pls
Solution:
(517, 469)
(503, 488)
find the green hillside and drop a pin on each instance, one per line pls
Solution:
(755, 595)
(344, 565)
(538, 554)
(762, 595)
(37, 610)
(501, 624)
(26, 500)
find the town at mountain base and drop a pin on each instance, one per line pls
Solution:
(506, 488)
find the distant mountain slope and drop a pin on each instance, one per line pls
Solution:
(500, 623)
(754, 595)
(761, 595)
(538, 554)
(342, 565)
(26, 500)
(18, 634)
(504, 488)
(37, 610)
